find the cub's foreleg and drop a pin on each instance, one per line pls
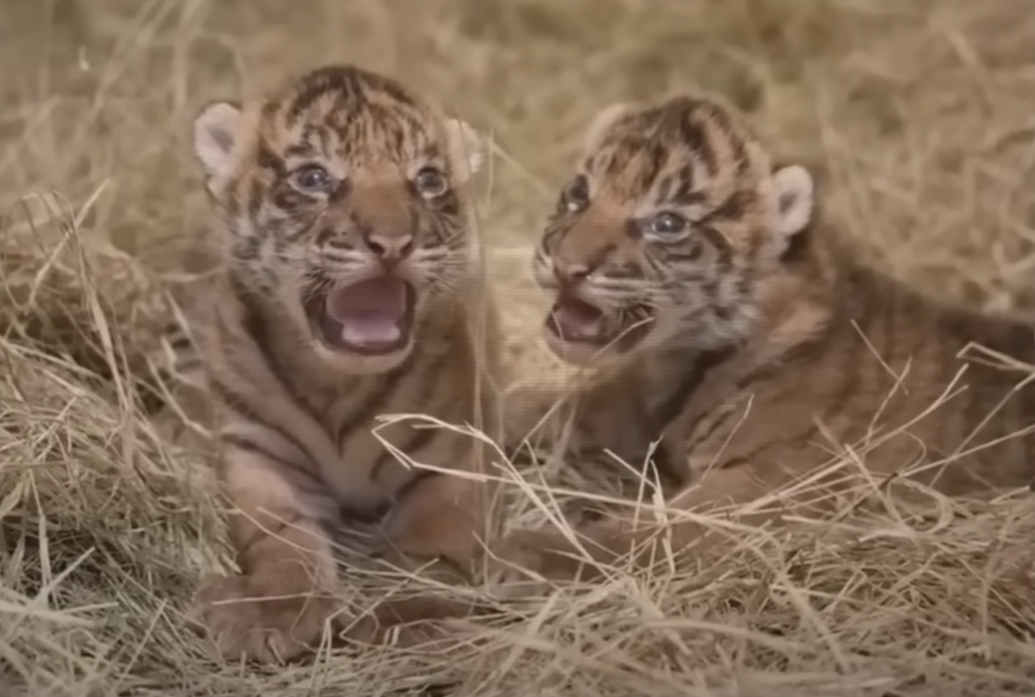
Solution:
(627, 539)
(439, 528)
(284, 598)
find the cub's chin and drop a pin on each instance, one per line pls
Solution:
(358, 364)
(366, 326)
(580, 333)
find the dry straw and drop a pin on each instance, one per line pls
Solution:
(921, 113)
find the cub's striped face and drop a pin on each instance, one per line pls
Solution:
(661, 238)
(343, 198)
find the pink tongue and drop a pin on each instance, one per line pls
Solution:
(369, 312)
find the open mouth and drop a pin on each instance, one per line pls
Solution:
(575, 321)
(372, 317)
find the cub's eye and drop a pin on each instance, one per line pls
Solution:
(430, 182)
(667, 224)
(313, 179)
(575, 196)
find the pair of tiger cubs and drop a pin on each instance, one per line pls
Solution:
(735, 330)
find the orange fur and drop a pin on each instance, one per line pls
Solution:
(338, 178)
(764, 337)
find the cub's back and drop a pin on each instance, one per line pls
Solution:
(904, 378)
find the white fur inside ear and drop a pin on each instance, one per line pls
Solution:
(215, 136)
(467, 146)
(795, 200)
(603, 121)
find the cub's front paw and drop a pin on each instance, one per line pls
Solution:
(247, 615)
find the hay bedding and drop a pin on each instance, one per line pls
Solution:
(104, 525)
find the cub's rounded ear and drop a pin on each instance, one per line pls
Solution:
(795, 197)
(466, 147)
(216, 130)
(602, 122)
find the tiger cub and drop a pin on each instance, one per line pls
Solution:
(348, 285)
(732, 327)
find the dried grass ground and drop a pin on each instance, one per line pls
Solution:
(922, 115)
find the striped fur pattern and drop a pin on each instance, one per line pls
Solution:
(347, 284)
(765, 347)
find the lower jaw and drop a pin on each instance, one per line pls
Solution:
(371, 352)
(584, 352)
(362, 363)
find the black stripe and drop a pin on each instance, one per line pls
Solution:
(657, 266)
(421, 476)
(684, 193)
(690, 250)
(670, 408)
(271, 162)
(368, 515)
(270, 109)
(857, 355)
(752, 456)
(371, 406)
(733, 462)
(235, 401)
(239, 404)
(418, 438)
(304, 149)
(313, 90)
(692, 134)
(364, 409)
(180, 341)
(294, 203)
(732, 208)
(255, 326)
(716, 423)
(250, 446)
(690, 381)
(814, 347)
(670, 473)
(720, 243)
(256, 197)
(403, 492)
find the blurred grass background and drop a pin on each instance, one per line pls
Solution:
(921, 111)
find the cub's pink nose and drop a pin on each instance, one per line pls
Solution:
(390, 247)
